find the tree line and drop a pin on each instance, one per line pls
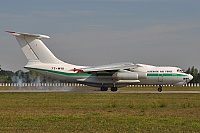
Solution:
(33, 77)
(195, 73)
(25, 77)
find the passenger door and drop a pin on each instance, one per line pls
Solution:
(160, 77)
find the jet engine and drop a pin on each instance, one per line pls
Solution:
(129, 75)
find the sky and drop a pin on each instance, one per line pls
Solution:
(99, 32)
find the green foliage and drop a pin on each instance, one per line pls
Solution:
(195, 73)
(5, 76)
(24, 77)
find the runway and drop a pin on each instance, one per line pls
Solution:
(166, 92)
(88, 90)
(119, 91)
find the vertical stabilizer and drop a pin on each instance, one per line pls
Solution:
(34, 49)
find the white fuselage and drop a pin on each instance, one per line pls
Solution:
(153, 75)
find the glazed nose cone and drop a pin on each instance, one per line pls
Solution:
(190, 77)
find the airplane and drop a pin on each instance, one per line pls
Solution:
(42, 60)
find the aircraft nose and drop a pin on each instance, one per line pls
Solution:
(190, 76)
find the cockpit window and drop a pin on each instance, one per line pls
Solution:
(180, 70)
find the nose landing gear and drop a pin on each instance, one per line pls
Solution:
(159, 88)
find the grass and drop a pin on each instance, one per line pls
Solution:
(165, 88)
(99, 112)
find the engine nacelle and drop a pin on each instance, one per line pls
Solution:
(142, 75)
(125, 76)
(129, 75)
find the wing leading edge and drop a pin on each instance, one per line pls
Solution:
(110, 67)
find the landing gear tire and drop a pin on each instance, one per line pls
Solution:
(104, 89)
(113, 88)
(159, 88)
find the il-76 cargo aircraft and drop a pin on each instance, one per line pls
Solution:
(42, 60)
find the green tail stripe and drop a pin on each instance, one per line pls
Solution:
(70, 74)
(59, 72)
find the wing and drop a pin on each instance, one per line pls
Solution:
(110, 67)
(111, 75)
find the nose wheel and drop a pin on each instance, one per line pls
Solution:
(159, 88)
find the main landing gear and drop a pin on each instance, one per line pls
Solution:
(113, 88)
(160, 88)
(106, 88)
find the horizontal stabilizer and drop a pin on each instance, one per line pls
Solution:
(19, 34)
